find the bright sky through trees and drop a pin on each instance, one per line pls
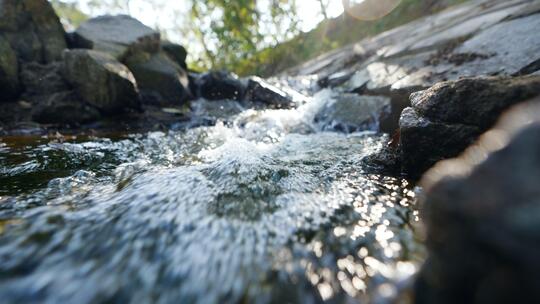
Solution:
(164, 13)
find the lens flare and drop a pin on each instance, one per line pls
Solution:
(369, 9)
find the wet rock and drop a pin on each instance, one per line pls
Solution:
(209, 112)
(117, 35)
(33, 30)
(474, 101)
(9, 71)
(259, 90)
(64, 108)
(424, 142)
(160, 77)
(101, 80)
(42, 79)
(482, 212)
(176, 52)
(350, 113)
(448, 117)
(218, 85)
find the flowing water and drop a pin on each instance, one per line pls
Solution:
(263, 207)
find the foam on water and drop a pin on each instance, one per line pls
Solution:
(268, 209)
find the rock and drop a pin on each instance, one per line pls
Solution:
(350, 113)
(482, 215)
(474, 101)
(424, 142)
(159, 76)
(33, 30)
(448, 117)
(119, 36)
(64, 108)
(512, 46)
(259, 90)
(176, 52)
(41, 80)
(101, 80)
(209, 112)
(219, 85)
(9, 72)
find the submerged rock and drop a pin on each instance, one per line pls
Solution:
(9, 72)
(448, 117)
(350, 113)
(101, 80)
(159, 76)
(218, 85)
(482, 216)
(117, 35)
(33, 30)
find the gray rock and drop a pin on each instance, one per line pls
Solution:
(424, 142)
(176, 52)
(512, 45)
(474, 101)
(33, 29)
(448, 117)
(259, 90)
(482, 215)
(64, 108)
(219, 85)
(101, 80)
(9, 72)
(159, 76)
(119, 36)
(42, 80)
(350, 113)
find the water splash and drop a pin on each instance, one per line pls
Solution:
(265, 208)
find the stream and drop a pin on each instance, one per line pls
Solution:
(265, 206)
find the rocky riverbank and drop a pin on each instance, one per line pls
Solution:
(111, 73)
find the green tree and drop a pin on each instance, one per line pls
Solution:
(234, 30)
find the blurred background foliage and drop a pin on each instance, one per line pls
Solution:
(261, 37)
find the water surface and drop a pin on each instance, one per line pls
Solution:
(262, 207)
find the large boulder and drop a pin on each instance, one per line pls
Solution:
(448, 117)
(101, 80)
(482, 216)
(119, 36)
(9, 72)
(159, 77)
(33, 29)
